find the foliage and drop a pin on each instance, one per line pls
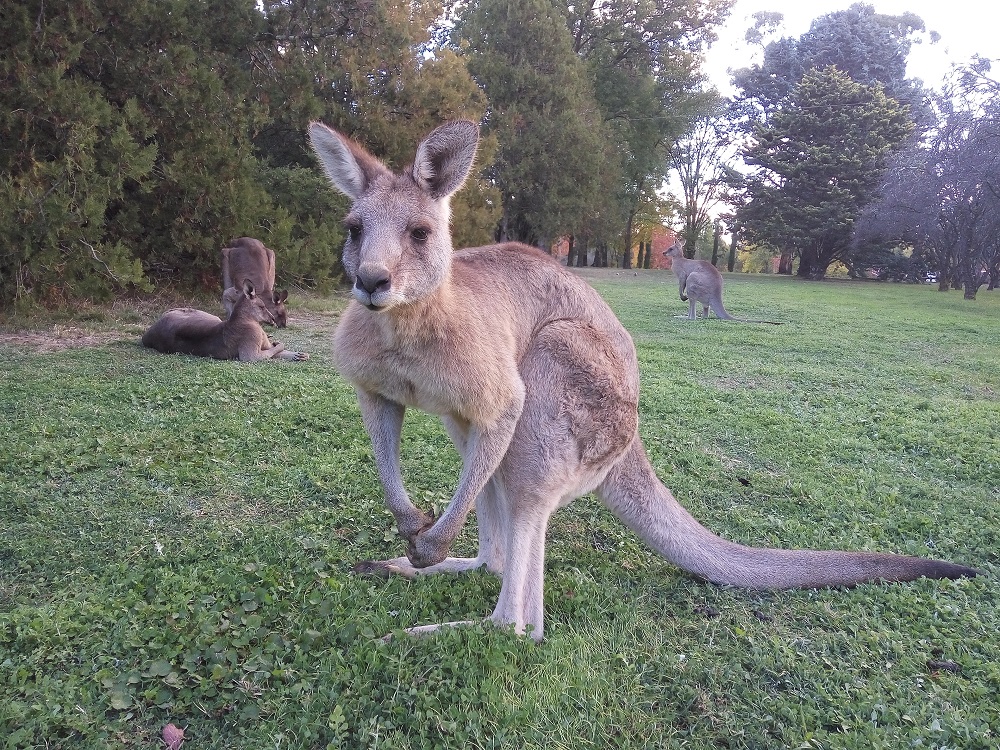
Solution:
(643, 59)
(70, 158)
(585, 99)
(819, 161)
(551, 144)
(701, 161)
(869, 47)
(941, 199)
(148, 134)
(178, 537)
(371, 70)
(755, 259)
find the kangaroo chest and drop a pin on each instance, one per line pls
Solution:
(444, 374)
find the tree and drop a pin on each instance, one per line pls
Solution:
(151, 132)
(553, 151)
(643, 58)
(869, 47)
(818, 162)
(374, 70)
(939, 212)
(701, 161)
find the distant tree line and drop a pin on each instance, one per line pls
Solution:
(852, 163)
(141, 135)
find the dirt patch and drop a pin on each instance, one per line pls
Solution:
(60, 338)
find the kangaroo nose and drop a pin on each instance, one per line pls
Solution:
(375, 281)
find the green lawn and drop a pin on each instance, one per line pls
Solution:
(176, 537)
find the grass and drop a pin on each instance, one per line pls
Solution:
(177, 536)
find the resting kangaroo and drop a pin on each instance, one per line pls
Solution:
(248, 258)
(536, 381)
(700, 281)
(185, 330)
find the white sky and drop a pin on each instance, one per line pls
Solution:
(966, 27)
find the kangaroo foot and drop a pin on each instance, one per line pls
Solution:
(385, 568)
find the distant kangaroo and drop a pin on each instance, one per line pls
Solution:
(185, 330)
(700, 281)
(247, 258)
(536, 381)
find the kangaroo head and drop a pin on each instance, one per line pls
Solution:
(250, 304)
(674, 251)
(276, 306)
(398, 248)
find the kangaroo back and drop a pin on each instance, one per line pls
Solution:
(249, 259)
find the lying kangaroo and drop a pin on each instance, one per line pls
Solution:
(536, 381)
(701, 282)
(247, 258)
(185, 330)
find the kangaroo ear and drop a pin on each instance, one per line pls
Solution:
(445, 157)
(350, 168)
(248, 289)
(280, 297)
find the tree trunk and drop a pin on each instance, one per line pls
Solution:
(732, 249)
(571, 251)
(642, 255)
(715, 244)
(601, 255)
(627, 255)
(785, 263)
(810, 265)
(648, 262)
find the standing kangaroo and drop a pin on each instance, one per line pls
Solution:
(247, 258)
(700, 281)
(185, 330)
(536, 381)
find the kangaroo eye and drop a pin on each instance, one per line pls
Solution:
(354, 229)
(419, 234)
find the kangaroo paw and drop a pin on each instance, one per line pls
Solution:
(416, 522)
(424, 549)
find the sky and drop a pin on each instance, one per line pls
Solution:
(966, 27)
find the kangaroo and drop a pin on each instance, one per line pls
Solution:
(536, 382)
(185, 330)
(247, 258)
(701, 282)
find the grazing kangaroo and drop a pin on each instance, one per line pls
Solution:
(247, 258)
(536, 381)
(185, 330)
(700, 281)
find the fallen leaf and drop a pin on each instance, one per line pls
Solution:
(173, 737)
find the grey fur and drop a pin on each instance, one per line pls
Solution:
(536, 381)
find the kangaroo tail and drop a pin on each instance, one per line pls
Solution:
(636, 496)
(719, 309)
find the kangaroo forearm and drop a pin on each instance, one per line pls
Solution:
(485, 447)
(383, 420)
